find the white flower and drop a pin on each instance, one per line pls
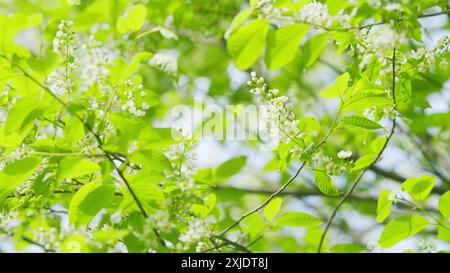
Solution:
(116, 218)
(92, 58)
(385, 38)
(278, 120)
(64, 42)
(315, 13)
(197, 230)
(419, 53)
(344, 154)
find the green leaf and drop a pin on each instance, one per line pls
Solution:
(151, 160)
(203, 210)
(361, 122)
(308, 125)
(338, 88)
(378, 144)
(298, 219)
(313, 48)
(73, 167)
(247, 42)
(272, 209)
(347, 248)
(16, 173)
(230, 167)
(132, 20)
(23, 114)
(364, 162)
(384, 205)
(444, 233)
(363, 100)
(444, 204)
(88, 201)
(324, 183)
(120, 70)
(401, 228)
(73, 131)
(238, 20)
(282, 45)
(343, 40)
(419, 188)
(335, 6)
(146, 189)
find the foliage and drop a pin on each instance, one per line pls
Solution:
(355, 129)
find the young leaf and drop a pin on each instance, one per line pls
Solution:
(313, 48)
(338, 88)
(23, 114)
(325, 184)
(272, 209)
(230, 167)
(384, 205)
(146, 190)
(401, 228)
(443, 233)
(335, 6)
(283, 44)
(419, 188)
(73, 131)
(16, 173)
(73, 167)
(347, 248)
(298, 219)
(132, 20)
(247, 42)
(238, 20)
(364, 162)
(444, 204)
(203, 210)
(88, 201)
(361, 122)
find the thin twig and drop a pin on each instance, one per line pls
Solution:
(358, 179)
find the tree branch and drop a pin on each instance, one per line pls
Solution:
(358, 179)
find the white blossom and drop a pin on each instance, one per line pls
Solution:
(344, 154)
(64, 43)
(277, 116)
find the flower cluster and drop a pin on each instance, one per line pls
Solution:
(161, 220)
(64, 42)
(92, 57)
(198, 230)
(426, 58)
(279, 120)
(313, 13)
(316, 14)
(59, 81)
(182, 157)
(21, 152)
(267, 10)
(89, 146)
(337, 166)
(344, 154)
(130, 105)
(9, 221)
(428, 246)
(49, 238)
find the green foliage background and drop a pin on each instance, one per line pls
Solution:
(90, 162)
